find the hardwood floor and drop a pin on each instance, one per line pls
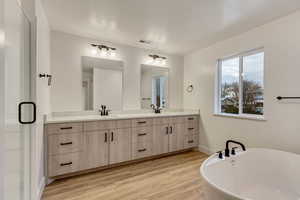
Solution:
(170, 178)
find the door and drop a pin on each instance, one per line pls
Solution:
(97, 149)
(161, 139)
(176, 137)
(15, 88)
(120, 145)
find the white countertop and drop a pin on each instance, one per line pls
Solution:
(82, 118)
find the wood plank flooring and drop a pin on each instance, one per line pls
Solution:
(170, 178)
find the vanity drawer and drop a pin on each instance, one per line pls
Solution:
(64, 164)
(177, 120)
(141, 122)
(65, 143)
(142, 134)
(142, 149)
(191, 141)
(168, 120)
(191, 119)
(99, 125)
(191, 128)
(64, 128)
(161, 120)
(123, 123)
(192, 122)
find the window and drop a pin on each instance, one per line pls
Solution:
(241, 85)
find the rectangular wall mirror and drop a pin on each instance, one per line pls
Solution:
(154, 86)
(102, 83)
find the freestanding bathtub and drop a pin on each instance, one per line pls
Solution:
(256, 174)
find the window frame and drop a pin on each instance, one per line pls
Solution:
(218, 82)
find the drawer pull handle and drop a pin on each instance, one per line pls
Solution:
(191, 128)
(112, 136)
(66, 143)
(66, 128)
(142, 122)
(191, 118)
(142, 150)
(142, 134)
(105, 138)
(171, 129)
(191, 141)
(66, 164)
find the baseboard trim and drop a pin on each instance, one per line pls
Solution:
(41, 188)
(205, 149)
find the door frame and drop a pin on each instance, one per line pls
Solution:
(31, 16)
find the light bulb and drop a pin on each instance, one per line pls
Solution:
(157, 62)
(94, 51)
(104, 52)
(112, 53)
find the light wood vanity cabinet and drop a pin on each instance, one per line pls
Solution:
(65, 147)
(96, 151)
(120, 145)
(73, 147)
(107, 142)
(169, 135)
(142, 138)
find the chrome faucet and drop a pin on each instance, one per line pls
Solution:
(156, 108)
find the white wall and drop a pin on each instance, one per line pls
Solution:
(281, 41)
(66, 53)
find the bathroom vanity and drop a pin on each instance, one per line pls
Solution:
(79, 144)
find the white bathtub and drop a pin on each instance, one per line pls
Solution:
(256, 174)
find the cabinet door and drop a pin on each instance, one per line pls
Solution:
(96, 149)
(176, 137)
(120, 145)
(160, 139)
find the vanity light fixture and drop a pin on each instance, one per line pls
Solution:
(105, 51)
(158, 60)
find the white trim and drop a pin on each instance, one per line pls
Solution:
(218, 76)
(242, 116)
(41, 188)
(243, 53)
(204, 149)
